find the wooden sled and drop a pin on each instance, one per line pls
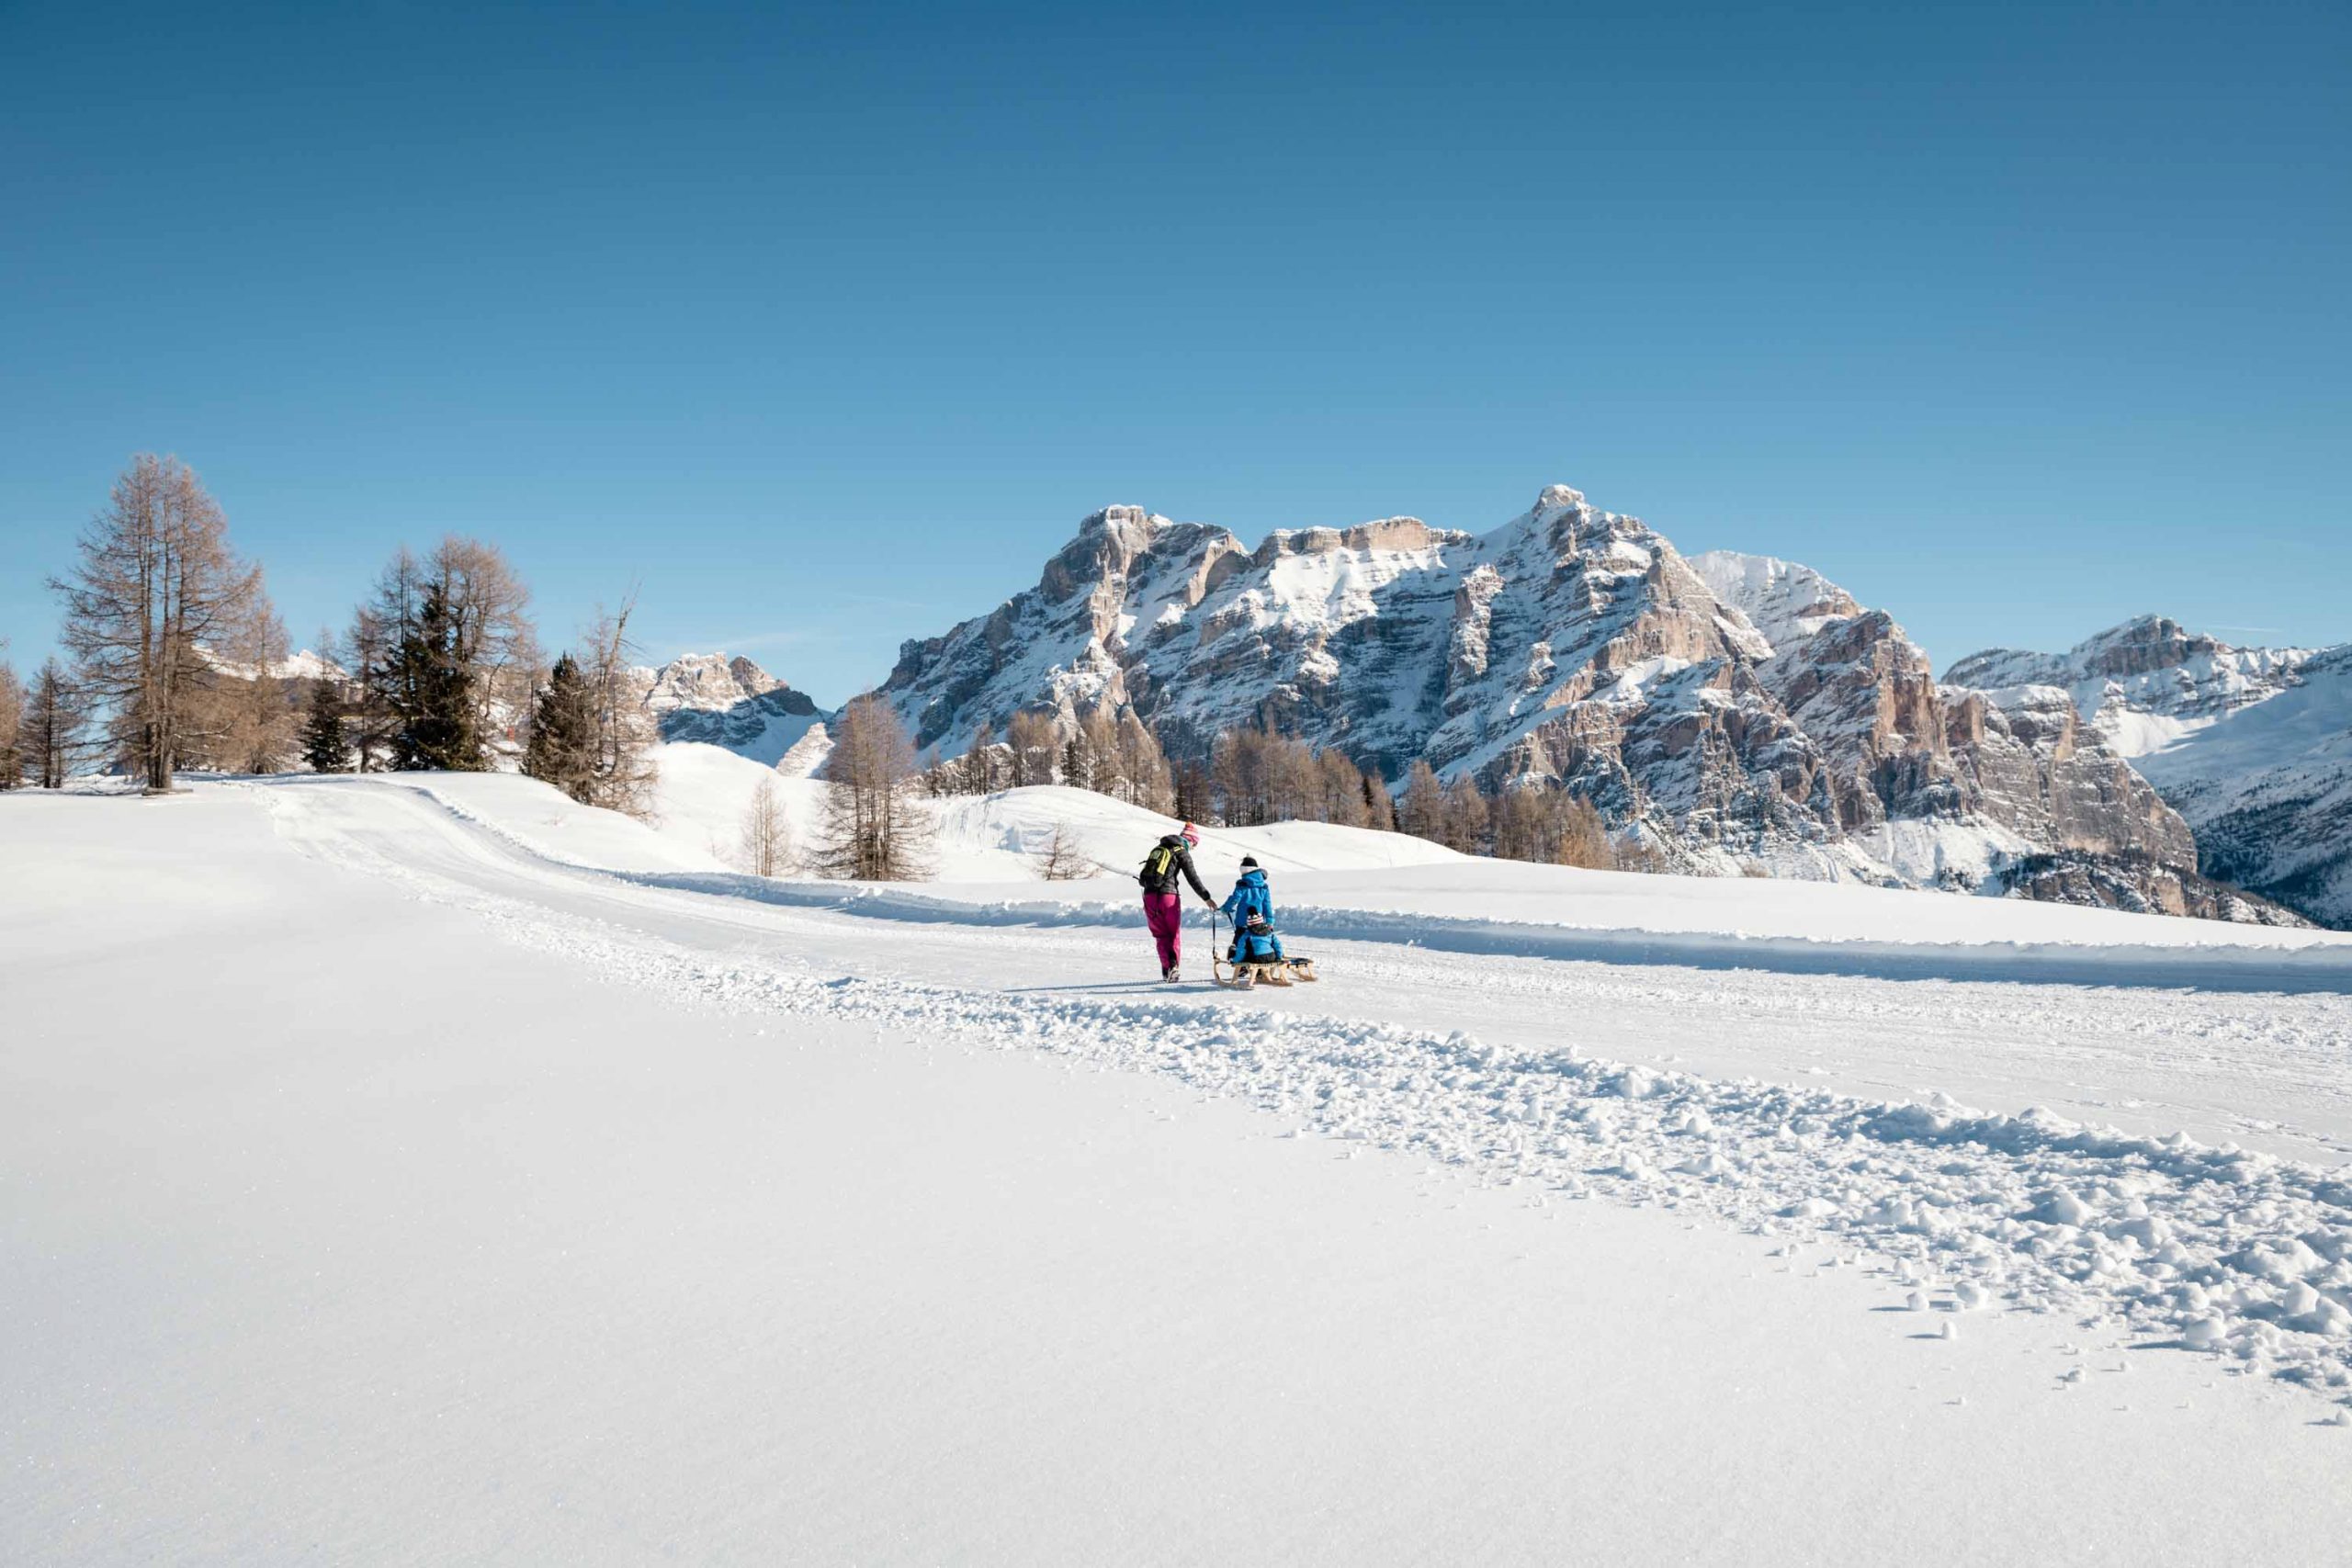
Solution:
(1247, 975)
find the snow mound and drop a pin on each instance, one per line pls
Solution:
(541, 819)
(991, 839)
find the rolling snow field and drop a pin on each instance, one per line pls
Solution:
(428, 1169)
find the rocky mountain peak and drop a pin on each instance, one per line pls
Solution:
(2143, 644)
(707, 682)
(725, 701)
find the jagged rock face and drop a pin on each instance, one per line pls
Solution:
(2131, 883)
(1867, 697)
(1923, 771)
(1274, 632)
(2029, 763)
(1059, 645)
(719, 701)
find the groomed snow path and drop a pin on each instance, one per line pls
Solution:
(374, 1189)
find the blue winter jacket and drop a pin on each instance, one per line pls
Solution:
(1252, 897)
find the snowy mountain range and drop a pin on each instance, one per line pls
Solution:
(302, 666)
(1731, 711)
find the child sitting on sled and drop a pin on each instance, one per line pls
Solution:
(1250, 907)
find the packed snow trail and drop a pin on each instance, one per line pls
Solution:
(2166, 1239)
(2268, 969)
(2268, 1072)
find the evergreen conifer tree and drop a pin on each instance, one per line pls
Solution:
(563, 750)
(325, 745)
(432, 694)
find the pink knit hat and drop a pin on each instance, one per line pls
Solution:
(1191, 835)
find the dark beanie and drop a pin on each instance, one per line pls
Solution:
(1248, 860)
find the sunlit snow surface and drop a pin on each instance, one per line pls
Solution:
(548, 1191)
(2240, 1251)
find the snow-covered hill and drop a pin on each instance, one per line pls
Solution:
(996, 838)
(1732, 711)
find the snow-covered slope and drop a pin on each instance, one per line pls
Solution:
(540, 819)
(1354, 883)
(995, 839)
(2253, 746)
(2269, 789)
(1786, 601)
(2147, 682)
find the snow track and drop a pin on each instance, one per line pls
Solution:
(2164, 1238)
(2271, 969)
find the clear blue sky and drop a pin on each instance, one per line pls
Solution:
(827, 323)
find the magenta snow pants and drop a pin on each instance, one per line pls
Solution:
(1164, 913)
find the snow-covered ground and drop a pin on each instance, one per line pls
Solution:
(428, 1169)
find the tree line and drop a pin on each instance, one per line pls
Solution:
(1253, 776)
(177, 659)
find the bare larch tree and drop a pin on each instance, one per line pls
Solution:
(876, 830)
(490, 635)
(1059, 859)
(156, 578)
(764, 847)
(623, 775)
